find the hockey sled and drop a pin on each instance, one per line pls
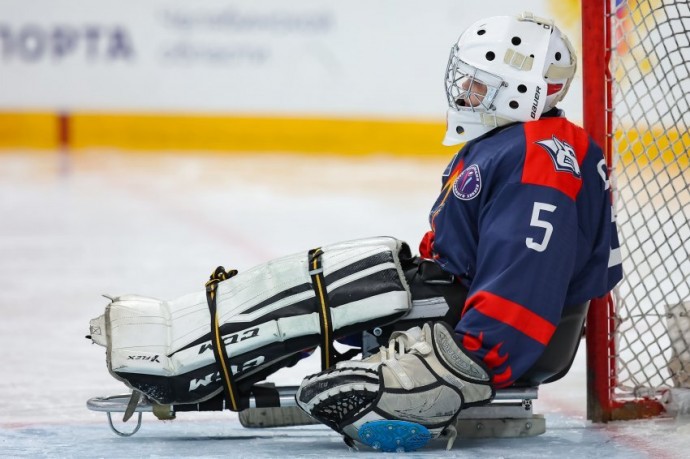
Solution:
(510, 414)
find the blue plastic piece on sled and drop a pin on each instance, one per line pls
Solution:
(394, 436)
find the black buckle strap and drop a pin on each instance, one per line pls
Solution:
(232, 395)
(328, 354)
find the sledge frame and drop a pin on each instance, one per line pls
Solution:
(509, 415)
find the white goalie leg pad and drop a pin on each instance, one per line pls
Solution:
(423, 378)
(164, 348)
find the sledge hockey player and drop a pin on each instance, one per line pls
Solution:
(521, 231)
(523, 222)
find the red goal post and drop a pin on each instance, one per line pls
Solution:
(636, 86)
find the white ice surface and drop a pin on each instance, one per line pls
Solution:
(103, 223)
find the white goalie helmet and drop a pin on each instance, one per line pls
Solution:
(505, 69)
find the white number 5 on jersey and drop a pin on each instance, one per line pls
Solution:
(539, 223)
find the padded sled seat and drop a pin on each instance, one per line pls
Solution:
(559, 354)
(431, 287)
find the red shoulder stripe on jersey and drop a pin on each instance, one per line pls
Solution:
(539, 167)
(513, 314)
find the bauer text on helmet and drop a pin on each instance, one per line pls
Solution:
(502, 70)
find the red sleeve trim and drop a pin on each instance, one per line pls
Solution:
(513, 314)
(426, 246)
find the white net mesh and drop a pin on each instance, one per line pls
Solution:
(650, 66)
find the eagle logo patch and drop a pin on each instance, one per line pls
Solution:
(468, 184)
(562, 155)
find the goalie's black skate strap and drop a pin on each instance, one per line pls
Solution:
(328, 355)
(231, 393)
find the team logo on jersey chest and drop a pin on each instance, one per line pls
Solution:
(562, 155)
(468, 184)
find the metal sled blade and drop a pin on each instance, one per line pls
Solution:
(118, 404)
(126, 403)
(129, 404)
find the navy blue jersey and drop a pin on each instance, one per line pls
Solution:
(524, 218)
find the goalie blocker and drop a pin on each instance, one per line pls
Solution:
(246, 326)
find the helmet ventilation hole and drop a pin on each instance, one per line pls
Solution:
(516, 41)
(481, 32)
(459, 129)
(513, 104)
(522, 88)
(490, 56)
(558, 56)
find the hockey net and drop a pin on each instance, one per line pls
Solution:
(639, 339)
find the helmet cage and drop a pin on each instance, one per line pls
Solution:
(469, 88)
